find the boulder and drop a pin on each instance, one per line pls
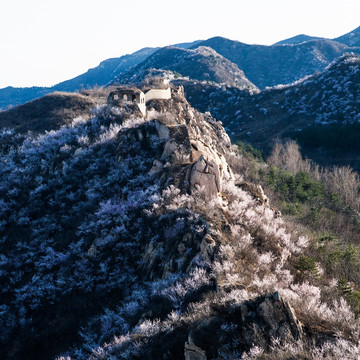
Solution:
(205, 174)
(280, 318)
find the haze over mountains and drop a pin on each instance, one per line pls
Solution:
(262, 65)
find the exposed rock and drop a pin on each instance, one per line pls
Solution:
(194, 149)
(205, 174)
(259, 321)
(162, 130)
(157, 167)
(193, 352)
(178, 149)
(280, 318)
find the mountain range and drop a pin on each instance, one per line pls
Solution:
(268, 66)
(262, 65)
(320, 111)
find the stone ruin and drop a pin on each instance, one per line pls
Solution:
(136, 96)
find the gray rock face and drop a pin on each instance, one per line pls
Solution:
(193, 352)
(206, 174)
(207, 247)
(192, 159)
(178, 148)
(280, 318)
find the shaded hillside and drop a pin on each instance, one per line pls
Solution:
(321, 111)
(48, 113)
(12, 96)
(351, 39)
(279, 64)
(202, 63)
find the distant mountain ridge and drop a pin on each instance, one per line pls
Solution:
(268, 66)
(105, 72)
(298, 39)
(201, 63)
(351, 39)
(264, 66)
(97, 76)
(321, 111)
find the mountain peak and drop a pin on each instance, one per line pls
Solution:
(298, 39)
(202, 63)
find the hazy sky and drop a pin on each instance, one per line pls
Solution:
(44, 42)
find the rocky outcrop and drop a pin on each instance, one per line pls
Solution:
(193, 352)
(261, 320)
(280, 318)
(206, 175)
(194, 146)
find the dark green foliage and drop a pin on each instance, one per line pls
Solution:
(335, 138)
(307, 267)
(339, 259)
(299, 188)
(249, 151)
(352, 296)
(344, 287)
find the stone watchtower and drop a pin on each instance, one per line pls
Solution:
(121, 97)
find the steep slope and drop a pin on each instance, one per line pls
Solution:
(202, 63)
(125, 237)
(351, 39)
(298, 39)
(279, 64)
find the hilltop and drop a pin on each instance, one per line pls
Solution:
(298, 39)
(351, 39)
(202, 63)
(48, 113)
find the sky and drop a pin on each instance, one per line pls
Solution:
(44, 42)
